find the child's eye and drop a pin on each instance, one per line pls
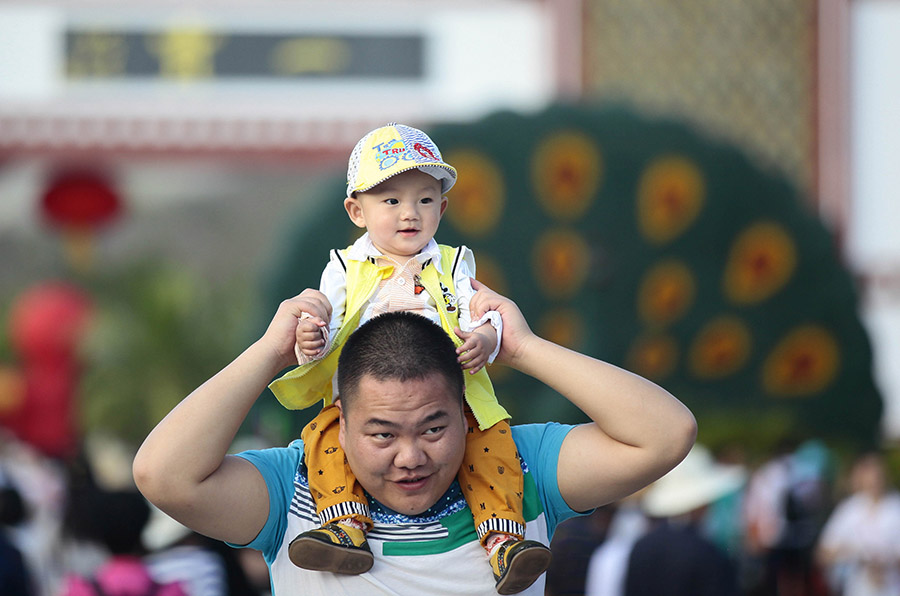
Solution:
(427, 200)
(391, 201)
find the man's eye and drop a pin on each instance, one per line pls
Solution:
(382, 436)
(434, 430)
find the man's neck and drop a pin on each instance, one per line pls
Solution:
(449, 502)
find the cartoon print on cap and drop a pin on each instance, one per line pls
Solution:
(389, 153)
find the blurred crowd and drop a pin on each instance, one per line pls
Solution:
(79, 528)
(802, 522)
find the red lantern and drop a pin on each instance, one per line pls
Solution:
(47, 324)
(79, 202)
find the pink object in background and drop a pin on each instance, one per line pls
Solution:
(121, 576)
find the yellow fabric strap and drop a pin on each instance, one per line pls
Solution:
(479, 390)
(311, 382)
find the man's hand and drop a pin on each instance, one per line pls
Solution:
(287, 330)
(477, 347)
(516, 332)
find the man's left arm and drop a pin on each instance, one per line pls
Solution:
(639, 431)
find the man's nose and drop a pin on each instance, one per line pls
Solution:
(409, 455)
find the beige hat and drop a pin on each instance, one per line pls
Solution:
(697, 481)
(162, 531)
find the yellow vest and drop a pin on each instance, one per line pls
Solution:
(311, 382)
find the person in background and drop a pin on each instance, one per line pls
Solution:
(574, 542)
(203, 566)
(723, 523)
(174, 555)
(609, 562)
(674, 558)
(40, 484)
(115, 520)
(15, 578)
(860, 543)
(784, 507)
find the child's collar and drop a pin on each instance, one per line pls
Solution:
(363, 248)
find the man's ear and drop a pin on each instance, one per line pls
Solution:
(342, 423)
(354, 210)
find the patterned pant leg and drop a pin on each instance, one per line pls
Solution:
(333, 485)
(492, 480)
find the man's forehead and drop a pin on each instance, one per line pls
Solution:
(431, 383)
(407, 400)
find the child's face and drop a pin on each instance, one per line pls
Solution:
(401, 214)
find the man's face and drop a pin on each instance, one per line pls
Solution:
(404, 440)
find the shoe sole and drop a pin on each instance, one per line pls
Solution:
(315, 555)
(524, 570)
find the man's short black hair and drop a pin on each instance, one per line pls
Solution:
(400, 346)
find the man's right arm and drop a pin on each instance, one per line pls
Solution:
(182, 466)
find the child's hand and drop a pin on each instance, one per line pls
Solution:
(516, 332)
(477, 347)
(281, 334)
(311, 333)
(310, 339)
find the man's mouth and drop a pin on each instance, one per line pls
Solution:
(412, 483)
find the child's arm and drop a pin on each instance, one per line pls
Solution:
(314, 332)
(481, 338)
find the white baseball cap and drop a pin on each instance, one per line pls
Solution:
(391, 150)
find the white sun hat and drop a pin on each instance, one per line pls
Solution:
(162, 531)
(697, 481)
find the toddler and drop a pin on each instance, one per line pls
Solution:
(396, 189)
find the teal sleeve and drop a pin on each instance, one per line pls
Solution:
(539, 446)
(278, 467)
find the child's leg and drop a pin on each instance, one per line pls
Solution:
(492, 482)
(339, 545)
(491, 479)
(338, 495)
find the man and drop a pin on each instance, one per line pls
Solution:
(674, 558)
(404, 434)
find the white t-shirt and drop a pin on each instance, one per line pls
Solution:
(860, 529)
(435, 553)
(201, 572)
